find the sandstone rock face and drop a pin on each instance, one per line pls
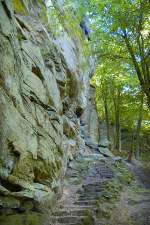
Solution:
(104, 142)
(43, 92)
(90, 120)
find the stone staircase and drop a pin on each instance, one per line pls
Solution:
(84, 194)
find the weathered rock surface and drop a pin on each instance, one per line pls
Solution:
(43, 92)
(103, 137)
(89, 119)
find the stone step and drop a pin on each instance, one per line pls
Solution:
(84, 200)
(93, 184)
(99, 184)
(69, 223)
(74, 212)
(64, 224)
(56, 223)
(85, 203)
(100, 187)
(92, 191)
(94, 194)
(90, 188)
(79, 207)
(90, 195)
(65, 219)
(87, 198)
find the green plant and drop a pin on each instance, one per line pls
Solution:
(112, 190)
(122, 173)
(88, 220)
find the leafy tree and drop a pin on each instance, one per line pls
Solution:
(120, 101)
(122, 31)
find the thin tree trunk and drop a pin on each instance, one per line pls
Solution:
(138, 129)
(131, 149)
(117, 121)
(106, 117)
(118, 131)
(137, 148)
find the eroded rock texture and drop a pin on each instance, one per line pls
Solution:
(43, 91)
(89, 119)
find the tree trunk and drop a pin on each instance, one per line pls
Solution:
(131, 149)
(138, 129)
(146, 90)
(116, 100)
(118, 131)
(106, 116)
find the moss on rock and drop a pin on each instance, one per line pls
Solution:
(19, 7)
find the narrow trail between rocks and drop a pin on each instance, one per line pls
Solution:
(84, 185)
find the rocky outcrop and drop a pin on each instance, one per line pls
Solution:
(89, 119)
(42, 96)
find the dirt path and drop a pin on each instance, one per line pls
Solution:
(134, 205)
(141, 173)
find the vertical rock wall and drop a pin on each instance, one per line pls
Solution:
(90, 120)
(43, 92)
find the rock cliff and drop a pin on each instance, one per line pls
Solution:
(89, 118)
(44, 87)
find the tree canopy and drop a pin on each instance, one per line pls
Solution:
(123, 34)
(120, 34)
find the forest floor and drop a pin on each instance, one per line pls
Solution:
(134, 205)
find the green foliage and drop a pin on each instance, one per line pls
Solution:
(119, 85)
(112, 190)
(121, 38)
(88, 220)
(58, 21)
(19, 7)
(123, 34)
(117, 76)
(31, 218)
(50, 18)
(104, 210)
(123, 174)
(136, 188)
(145, 156)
